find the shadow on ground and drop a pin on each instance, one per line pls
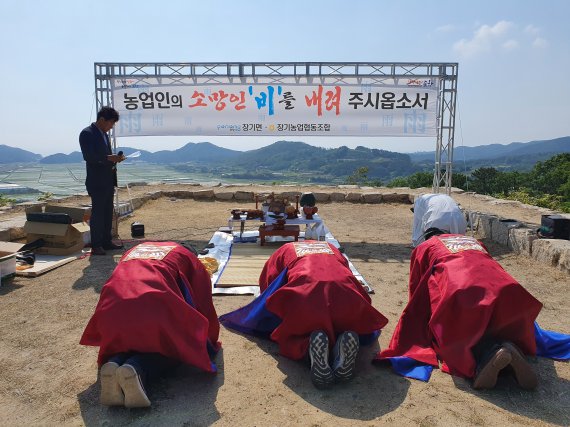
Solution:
(372, 393)
(383, 252)
(546, 403)
(8, 286)
(187, 396)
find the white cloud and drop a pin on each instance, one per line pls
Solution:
(445, 28)
(504, 34)
(511, 44)
(500, 28)
(532, 30)
(540, 43)
(484, 39)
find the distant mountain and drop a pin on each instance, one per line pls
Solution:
(193, 152)
(60, 158)
(293, 156)
(320, 164)
(540, 150)
(17, 155)
(77, 157)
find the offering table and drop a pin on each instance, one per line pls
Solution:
(272, 230)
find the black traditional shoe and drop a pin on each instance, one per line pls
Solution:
(98, 250)
(132, 386)
(112, 246)
(28, 258)
(487, 372)
(321, 373)
(524, 374)
(344, 355)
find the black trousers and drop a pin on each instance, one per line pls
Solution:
(101, 222)
(484, 349)
(149, 366)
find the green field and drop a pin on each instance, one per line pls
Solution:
(66, 179)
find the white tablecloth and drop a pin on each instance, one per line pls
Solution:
(297, 221)
(269, 221)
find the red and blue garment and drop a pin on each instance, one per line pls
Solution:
(307, 286)
(158, 300)
(458, 294)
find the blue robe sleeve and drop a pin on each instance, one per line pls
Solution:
(254, 318)
(183, 286)
(411, 368)
(553, 345)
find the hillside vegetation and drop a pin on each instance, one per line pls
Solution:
(298, 159)
(536, 172)
(547, 184)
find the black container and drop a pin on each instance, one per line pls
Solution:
(51, 217)
(554, 227)
(137, 229)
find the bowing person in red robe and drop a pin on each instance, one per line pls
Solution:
(465, 311)
(155, 311)
(311, 304)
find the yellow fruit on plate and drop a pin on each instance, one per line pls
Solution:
(210, 263)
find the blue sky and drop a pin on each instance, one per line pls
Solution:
(513, 55)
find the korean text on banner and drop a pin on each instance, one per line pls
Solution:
(405, 109)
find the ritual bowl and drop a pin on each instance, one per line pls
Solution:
(309, 211)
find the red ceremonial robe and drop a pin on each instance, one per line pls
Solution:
(142, 307)
(459, 294)
(321, 293)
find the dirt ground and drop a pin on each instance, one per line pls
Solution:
(47, 378)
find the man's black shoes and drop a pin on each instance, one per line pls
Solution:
(98, 250)
(112, 246)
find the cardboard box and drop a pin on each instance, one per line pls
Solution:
(76, 214)
(8, 259)
(60, 239)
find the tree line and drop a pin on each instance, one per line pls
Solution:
(546, 185)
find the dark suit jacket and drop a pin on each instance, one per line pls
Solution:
(101, 173)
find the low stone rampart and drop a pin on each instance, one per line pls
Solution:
(518, 236)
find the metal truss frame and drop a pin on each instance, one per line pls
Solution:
(376, 73)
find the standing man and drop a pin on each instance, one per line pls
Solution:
(101, 178)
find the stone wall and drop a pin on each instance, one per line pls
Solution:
(249, 196)
(519, 237)
(522, 238)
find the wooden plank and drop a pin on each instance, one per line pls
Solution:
(245, 265)
(45, 263)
